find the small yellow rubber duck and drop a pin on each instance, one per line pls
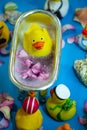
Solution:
(37, 41)
(59, 105)
(4, 34)
(29, 116)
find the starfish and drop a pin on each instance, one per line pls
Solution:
(81, 16)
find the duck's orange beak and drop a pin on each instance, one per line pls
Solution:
(32, 93)
(51, 92)
(38, 45)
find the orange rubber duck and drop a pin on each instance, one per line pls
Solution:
(64, 127)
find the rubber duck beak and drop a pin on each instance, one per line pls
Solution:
(38, 45)
(32, 93)
(51, 92)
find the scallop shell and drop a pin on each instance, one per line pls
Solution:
(80, 67)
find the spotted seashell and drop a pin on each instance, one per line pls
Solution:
(80, 67)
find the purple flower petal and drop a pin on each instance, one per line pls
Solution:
(85, 107)
(82, 121)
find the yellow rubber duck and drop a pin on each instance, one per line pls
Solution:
(4, 34)
(29, 117)
(37, 41)
(59, 105)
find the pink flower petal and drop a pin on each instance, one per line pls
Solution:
(4, 123)
(28, 62)
(6, 100)
(43, 75)
(83, 121)
(11, 33)
(76, 40)
(67, 27)
(29, 72)
(63, 43)
(70, 40)
(85, 107)
(1, 62)
(22, 54)
(24, 75)
(4, 51)
(36, 68)
(41, 128)
(17, 70)
(34, 76)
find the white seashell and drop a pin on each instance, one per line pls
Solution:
(12, 16)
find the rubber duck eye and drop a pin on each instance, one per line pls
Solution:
(33, 40)
(42, 38)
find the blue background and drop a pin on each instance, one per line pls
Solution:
(69, 54)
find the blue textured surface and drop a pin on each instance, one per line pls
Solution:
(69, 54)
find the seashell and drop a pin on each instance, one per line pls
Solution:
(80, 67)
(10, 6)
(12, 16)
